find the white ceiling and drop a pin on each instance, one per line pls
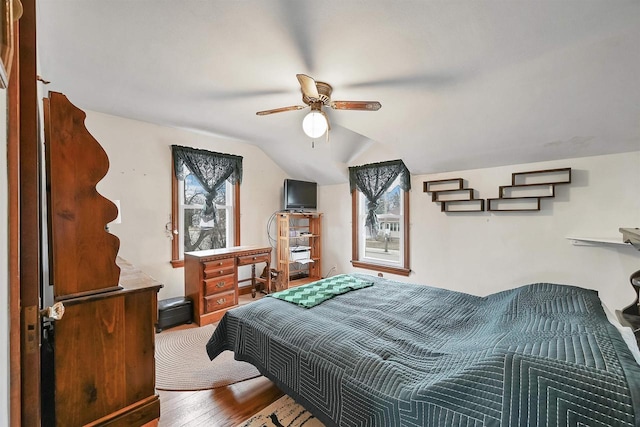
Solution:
(463, 84)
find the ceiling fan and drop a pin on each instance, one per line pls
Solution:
(317, 95)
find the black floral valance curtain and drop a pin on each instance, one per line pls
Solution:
(210, 169)
(373, 180)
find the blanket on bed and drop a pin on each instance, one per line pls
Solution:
(397, 354)
(314, 293)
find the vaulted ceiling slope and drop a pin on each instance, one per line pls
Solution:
(463, 84)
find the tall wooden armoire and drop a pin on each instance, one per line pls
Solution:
(104, 343)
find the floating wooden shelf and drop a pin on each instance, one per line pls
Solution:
(546, 176)
(597, 241)
(527, 188)
(524, 193)
(532, 190)
(474, 205)
(442, 185)
(514, 204)
(452, 195)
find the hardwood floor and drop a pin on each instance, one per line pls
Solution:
(225, 406)
(221, 407)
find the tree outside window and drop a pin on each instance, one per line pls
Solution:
(199, 230)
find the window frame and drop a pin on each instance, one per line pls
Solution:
(356, 261)
(176, 261)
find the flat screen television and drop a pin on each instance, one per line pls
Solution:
(300, 195)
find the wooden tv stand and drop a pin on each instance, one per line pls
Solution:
(211, 279)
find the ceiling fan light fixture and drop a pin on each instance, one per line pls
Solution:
(314, 124)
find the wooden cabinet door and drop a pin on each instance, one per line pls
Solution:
(104, 360)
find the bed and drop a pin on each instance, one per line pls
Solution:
(399, 354)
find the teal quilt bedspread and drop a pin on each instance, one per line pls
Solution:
(399, 354)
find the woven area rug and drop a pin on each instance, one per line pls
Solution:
(182, 363)
(284, 412)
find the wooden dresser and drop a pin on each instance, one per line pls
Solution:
(102, 368)
(211, 279)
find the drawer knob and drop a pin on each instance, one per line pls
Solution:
(220, 263)
(220, 284)
(221, 301)
(221, 271)
(255, 257)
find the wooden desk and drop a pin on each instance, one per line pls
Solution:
(211, 279)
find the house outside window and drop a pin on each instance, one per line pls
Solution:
(386, 245)
(205, 201)
(380, 211)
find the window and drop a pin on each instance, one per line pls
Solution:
(205, 197)
(199, 230)
(380, 211)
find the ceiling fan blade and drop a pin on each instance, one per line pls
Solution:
(281, 110)
(308, 86)
(356, 105)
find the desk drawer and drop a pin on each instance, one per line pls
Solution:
(252, 259)
(217, 268)
(219, 301)
(219, 284)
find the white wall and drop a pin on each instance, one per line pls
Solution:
(4, 262)
(140, 177)
(485, 252)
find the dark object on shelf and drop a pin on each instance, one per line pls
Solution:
(635, 307)
(173, 312)
(301, 195)
(630, 316)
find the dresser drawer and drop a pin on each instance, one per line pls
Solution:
(251, 259)
(219, 284)
(217, 268)
(219, 301)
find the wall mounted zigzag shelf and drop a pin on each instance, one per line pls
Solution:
(524, 193)
(452, 195)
